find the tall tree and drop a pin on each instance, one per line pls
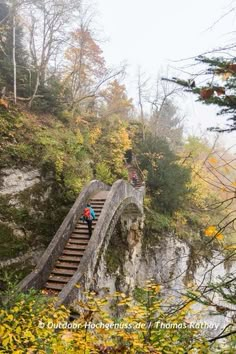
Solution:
(13, 56)
(116, 101)
(167, 181)
(142, 82)
(165, 123)
(47, 35)
(85, 66)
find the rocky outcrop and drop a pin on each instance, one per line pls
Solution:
(32, 207)
(13, 181)
(170, 263)
(31, 258)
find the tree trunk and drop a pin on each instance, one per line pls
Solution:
(14, 48)
(35, 90)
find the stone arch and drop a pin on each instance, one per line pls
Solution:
(123, 200)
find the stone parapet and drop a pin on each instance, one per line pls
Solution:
(39, 275)
(122, 199)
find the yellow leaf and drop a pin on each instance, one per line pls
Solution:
(219, 237)
(175, 338)
(210, 231)
(230, 247)
(212, 160)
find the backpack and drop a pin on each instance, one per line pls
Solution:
(87, 214)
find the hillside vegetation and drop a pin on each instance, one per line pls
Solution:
(67, 116)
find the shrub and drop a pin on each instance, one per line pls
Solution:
(167, 181)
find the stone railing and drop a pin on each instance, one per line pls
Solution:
(40, 274)
(123, 198)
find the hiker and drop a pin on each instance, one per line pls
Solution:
(89, 216)
(134, 178)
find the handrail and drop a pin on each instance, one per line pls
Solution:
(40, 274)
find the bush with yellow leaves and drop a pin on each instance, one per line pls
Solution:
(114, 323)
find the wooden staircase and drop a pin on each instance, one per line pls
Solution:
(68, 262)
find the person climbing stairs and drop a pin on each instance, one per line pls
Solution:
(67, 264)
(131, 171)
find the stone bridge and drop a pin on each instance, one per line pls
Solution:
(121, 200)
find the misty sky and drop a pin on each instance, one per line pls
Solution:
(154, 34)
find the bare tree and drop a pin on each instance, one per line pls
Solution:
(142, 97)
(85, 70)
(165, 119)
(14, 46)
(48, 31)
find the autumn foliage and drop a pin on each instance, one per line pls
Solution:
(32, 324)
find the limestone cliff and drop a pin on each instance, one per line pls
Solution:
(171, 262)
(32, 207)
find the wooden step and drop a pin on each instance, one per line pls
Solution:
(75, 247)
(73, 253)
(66, 265)
(63, 271)
(77, 241)
(82, 232)
(73, 259)
(97, 200)
(81, 236)
(84, 223)
(82, 226)
(59, 279)
(54, 286)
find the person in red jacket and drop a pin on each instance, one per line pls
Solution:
(89, 216)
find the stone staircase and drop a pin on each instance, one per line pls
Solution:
(71, 257)
(72, 254)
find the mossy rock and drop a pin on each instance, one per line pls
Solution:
(10, 246)
(116, 250)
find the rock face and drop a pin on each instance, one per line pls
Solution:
(32, 207)
(31, 258)
(13, 181)
(170, 263)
